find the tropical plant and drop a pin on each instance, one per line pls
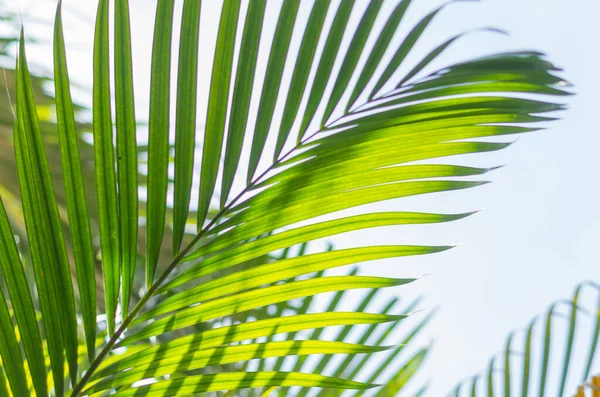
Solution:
(404, 359)
(350, 135)
(524, 367)
(45, 105)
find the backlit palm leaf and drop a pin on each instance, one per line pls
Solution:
(362, 152)
(49, 118)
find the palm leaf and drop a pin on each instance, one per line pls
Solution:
(127, 165)
(371, 367)
(81, 235)
(104, 157)
(203, 309)
(525, 373)
(158, 147)
(185, 130)
(48, 250)
(217, 106)
(9, 187)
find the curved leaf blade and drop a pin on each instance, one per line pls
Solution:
(127, 164)
(257, 298)
(355, 49)
(43, 223)
(104, 162)
(158, 129)
(402, 51)
(22, 304)
(273, 76)
(376, 54)
(240, 380)
(245, 331)
(306, 55)
(278, 271)
(325, 65)
(242, 93)
(217, 105)
(185, 124)
(81, 235)
(194, 360)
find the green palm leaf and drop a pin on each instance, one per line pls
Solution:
(48, 250)
(185, 130)
(81, 235)
(127, 165)
(208, 308)
(530, 373)
(158, 146)
(217, 106)
(104, 160)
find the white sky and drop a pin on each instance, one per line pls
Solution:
(539, 237)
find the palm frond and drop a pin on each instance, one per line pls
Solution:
(189, 318)
(538, 362)
(49, 115)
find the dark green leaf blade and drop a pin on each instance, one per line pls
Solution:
(158, 130)
(306, 55)
(127, 167)
(325, 66)
(217, 105)
(353, 54)
(381, 45)
(402, 51)
(185, 124)
(79, 223)
(242, 93)
(272, 83)
(28, 183)
(43, 215)
(104, 161)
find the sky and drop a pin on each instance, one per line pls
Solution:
(539, 230)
